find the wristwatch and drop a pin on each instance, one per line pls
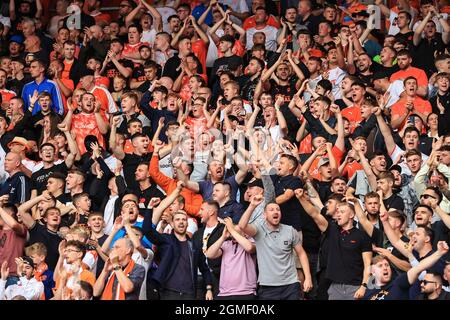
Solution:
(364, 285)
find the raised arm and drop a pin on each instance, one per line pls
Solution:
(428, 262)
(157, 19)
(418, 33)
(130, 17)
(116, 148)
(250, 229)
(11, 222)
(280, 117)
(191, 185)
(385, 131)
(158, 211)
(311, 210)
(340, 141)
(394, 239)
(200, 31)
(245, 243)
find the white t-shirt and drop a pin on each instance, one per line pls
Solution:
(149, 36)
(271, 37)
(139, 259)
(395, 90)
(336, 76)
(393, 29)
(237, 6)
(165, 13)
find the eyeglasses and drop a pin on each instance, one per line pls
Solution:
(426, 196)
(425, 282)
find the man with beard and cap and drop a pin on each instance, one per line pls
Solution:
(176, 276)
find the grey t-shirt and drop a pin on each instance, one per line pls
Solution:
(274, 250)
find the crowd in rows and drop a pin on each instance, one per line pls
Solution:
(224, 149)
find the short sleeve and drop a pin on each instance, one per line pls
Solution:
(295, 237)
(366, 244)
(294, 183)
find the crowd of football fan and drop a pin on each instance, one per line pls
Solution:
(224, 149)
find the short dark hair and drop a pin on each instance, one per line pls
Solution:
(404, 52)
(214, 204)
(408, 15)
(292, 159)
(137, 26)
(77, 244)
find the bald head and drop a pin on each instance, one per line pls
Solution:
(32, 43)
(12, 163)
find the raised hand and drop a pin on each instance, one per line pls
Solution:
(154, 202)
(256, 200)
(33, 98)
(4, 270)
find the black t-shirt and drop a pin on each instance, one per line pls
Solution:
(247, 87)
(406, 37)
(324, 189)
(51, 240)
(39, 178)
(376, 67)
(397, 289)
(394, 202)
(425, 51)
(291, 209)
(146, 195)
(224, 64)
(138, 73)
(130, 163)
(345, 261)
(111, 71)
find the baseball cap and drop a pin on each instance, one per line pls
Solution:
(17, 39)
(256, 183)
(323, 161)
(21, 141)
(28, 260)
(396, 167)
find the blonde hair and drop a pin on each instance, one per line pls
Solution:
(80, 231)
(36, 248)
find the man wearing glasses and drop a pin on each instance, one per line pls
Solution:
(431, 288)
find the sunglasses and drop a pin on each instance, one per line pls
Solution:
(425, 282)
(426, 196)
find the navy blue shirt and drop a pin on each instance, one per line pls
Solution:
(18, 187)
(291, 210)
(398, 289)
(206, 188)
